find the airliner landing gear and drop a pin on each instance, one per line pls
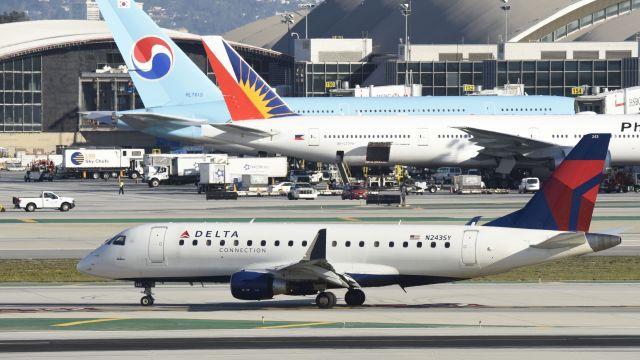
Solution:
(354, 297)
(147, 299)
(326, 300)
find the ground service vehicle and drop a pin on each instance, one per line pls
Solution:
(182, 169)
(354, 192)
(281, 188)
(530, 184)
(302, 191)
(47, 200)
(101, 163)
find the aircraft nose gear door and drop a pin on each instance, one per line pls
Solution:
(469, 247)
(156, 244)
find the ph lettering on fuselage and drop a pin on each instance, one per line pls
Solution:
(629, 126)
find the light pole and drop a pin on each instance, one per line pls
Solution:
(308, 6)
(287, 18)
(405, 9)
(506, 7)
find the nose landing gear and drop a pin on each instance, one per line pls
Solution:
(147, 299)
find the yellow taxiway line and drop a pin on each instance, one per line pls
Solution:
(84, 322)
(297, 325)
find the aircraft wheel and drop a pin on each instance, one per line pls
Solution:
(354, 297)
(325, 300)
(146, 300)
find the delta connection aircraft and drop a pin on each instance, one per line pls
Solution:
(263, 260)
(181, 101)
(477, 141)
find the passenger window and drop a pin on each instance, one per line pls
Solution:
(263, 243)
(433, 244)
(361, 244)
(419, 244)
(376, 244)
(391, 244)
(249, 242)
(119, 240)
(304, 243)
(347, 243)
(222, 242)
(290, 242)
(276, 243)
(405, 244)
(334, 243)
(236, 242)
(181, 242)
(208, 242)
(194, 242)
(447, 245)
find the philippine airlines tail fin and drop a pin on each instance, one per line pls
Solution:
(566, 201)
(162, 73)
(247, 95)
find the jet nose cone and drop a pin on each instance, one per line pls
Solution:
(600, 242)
(84, 265)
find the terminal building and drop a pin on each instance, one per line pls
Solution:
(52, 71)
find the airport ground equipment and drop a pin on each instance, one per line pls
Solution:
(248, 174)
(101, 163)
(181, 169)
(46, 200)
(261, 260)
(467, 184)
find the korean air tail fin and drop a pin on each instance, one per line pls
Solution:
(566, 201)
(247, 95)
(162, 73)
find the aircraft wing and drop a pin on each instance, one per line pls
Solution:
(313, 266)
(234, 128)
(502, 145)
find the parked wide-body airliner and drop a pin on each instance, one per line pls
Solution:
(179, 98)
(264, 121)
(261, 260)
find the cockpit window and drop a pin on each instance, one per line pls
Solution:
(118, 240)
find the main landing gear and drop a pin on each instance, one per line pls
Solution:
(147, 299)
(353, 297)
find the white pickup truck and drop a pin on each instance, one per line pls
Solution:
(47, 200)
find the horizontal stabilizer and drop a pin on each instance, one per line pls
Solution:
(141, 120)
(233, 128)
(564, 240)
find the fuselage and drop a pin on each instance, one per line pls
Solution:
(216, 112)
(429, 140)
(373, 254)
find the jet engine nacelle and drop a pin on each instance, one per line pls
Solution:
(251, 285)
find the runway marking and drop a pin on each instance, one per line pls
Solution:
(28, 220)
(349, 218)
(298, 325)
(85, 322)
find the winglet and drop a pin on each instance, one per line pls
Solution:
(566, 201)
(247, 95)
(318, 248)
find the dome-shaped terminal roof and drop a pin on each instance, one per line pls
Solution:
(431, 22)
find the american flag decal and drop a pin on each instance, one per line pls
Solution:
(299, 137)
(414, 237)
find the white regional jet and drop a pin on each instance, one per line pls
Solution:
(475, 141)
(263, 260)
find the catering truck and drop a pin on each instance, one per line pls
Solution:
(101, 163)
(176, 169)
(245, 172)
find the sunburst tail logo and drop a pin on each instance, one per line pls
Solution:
(152, 57)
